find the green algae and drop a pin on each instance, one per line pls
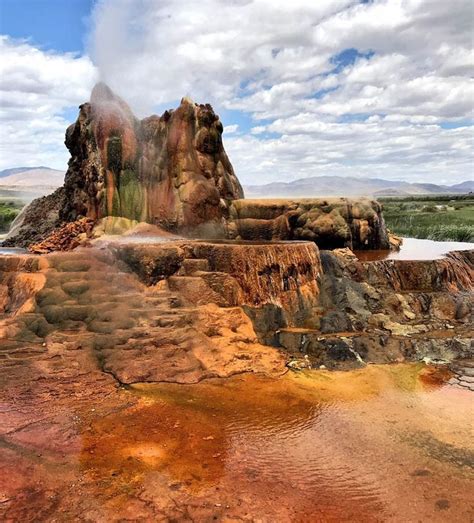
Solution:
(130, 195)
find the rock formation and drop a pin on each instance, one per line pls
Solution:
(132, 306)
(329, 222)
(182, 322)
(388, 311)
(187, 310)
(172, 171)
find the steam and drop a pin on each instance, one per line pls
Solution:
(138, 46)
(301, 75)
(155, 52)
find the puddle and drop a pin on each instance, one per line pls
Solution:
(415, 249)
(389, 443)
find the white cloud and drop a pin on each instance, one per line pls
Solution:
(405, 151)
(36, 87)
(274, 60)
(231, 129)
(153, 52)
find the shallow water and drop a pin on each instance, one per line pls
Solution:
(416, 249)
(390, 443)
(10, 251)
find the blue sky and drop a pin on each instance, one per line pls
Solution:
(51, 24)
(62, 25)
(339, 87)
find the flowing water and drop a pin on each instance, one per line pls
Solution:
(385, 443)
(415, 249)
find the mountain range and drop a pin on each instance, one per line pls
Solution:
(351, 186)
(44, 179)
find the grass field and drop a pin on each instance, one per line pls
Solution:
(439, 218)
(9, 208)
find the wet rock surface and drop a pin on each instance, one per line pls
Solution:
(161, 312)
(77, 329)
(463, 374)
(329, 222)
(92, 300)
(388, 311)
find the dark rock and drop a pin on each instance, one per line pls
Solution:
(335, 321)
(339, 350)
(37, 221)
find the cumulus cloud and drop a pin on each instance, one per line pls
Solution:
(36, 87)
(382, 88)
(212, 49)
(379, 149)
(339, 86)
(154, 52)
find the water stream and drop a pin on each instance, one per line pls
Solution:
(10, 251)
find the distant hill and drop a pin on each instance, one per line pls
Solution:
(15, 170)
(43, 180)
(26, 177)
(347, 186)
(464, 186)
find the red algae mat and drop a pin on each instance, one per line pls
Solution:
(385, 443)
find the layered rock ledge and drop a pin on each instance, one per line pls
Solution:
(329, 222)
(389, 311)
(187, 310)
(175, 311)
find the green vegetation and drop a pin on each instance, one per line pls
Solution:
(9, 208)
(442, 218)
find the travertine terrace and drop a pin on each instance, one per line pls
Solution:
(156, 204)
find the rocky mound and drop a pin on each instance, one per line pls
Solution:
(329, 222)
(172, 171)
(36, 221)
